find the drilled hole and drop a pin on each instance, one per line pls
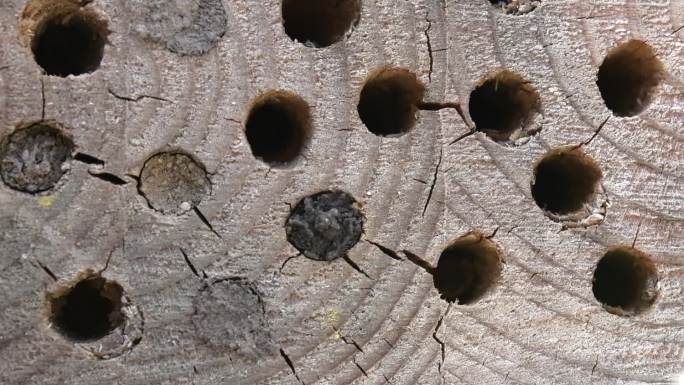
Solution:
(66, 38)
(320, 23)
(565, 179)
(33, 158)
(625, 281)
(87, 310)
(278, 127)
(324, 226)
(504, 105)
(516, 7)
(173, 182)
(229, 314)
(390, 100)
(468, 268)
(629, 76)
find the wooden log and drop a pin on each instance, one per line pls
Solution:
(212, 292)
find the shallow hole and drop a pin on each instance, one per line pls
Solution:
(389, 101)
(173, 182)
(325, 225)
(33, 157)
(503, 105)
(320, 23)
(278, 127)
(468, 268)
(629, 76)
(625, 281)
(66, 38)
(565, 179)
(87, 310)
(516, 7)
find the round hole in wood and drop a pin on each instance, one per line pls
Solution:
(325, 225)
(468, 268)
(87, 310)
(389, 101)
(66, 38)
(278, 127)
(173, 182)
(503, 105)
(629, 76)
(320, 23)
(33, 158)
(625, 281)
(564, 180)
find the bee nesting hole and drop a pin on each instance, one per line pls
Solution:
(625, 281)
(629, 76)
(33, 158)
(320, 23)
(278, 127)
(65, 37)
(88, 310)
(468, 268)
(565, 180)
(324, 226)
(505, 106)
(390, 100)
(173, 182)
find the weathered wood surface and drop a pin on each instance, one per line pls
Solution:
(540, 325)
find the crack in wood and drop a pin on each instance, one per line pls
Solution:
(88, 159)
(420, 262)
(355, 266)
(47, 271)
(360, 368)
(108, 177)
(347, 340)
(386, 250)
(429, 47)
(586, 143)
(204, 220)
(288, 260)
(136, 98)
(42, 93)
(190, 265)
(434, 182)
(290, 364)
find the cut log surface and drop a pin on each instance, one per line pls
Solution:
(180, 75)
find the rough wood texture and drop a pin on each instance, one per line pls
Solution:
(540, 324)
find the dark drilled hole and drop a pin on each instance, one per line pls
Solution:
(32, 157)
(325, 225)
(70, 43)
(503, 103)
(626, 280)
(564, 180)
(88, 310)
(278, 127)
(389, 101)
(320, 23)
(628, 77)
(173, 182)
(468, 268)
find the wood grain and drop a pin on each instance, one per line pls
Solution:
(540, 325)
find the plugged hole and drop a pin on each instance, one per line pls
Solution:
(325, 225)
(278, 127)
(320, 23)
(87, 310)
(629, 76)
(173, 182)
(504, 105)
(389, 101)
(516, 7)
(66, 38)
(625, 281)
(468, 268)
(565, 179)
(33, 158)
